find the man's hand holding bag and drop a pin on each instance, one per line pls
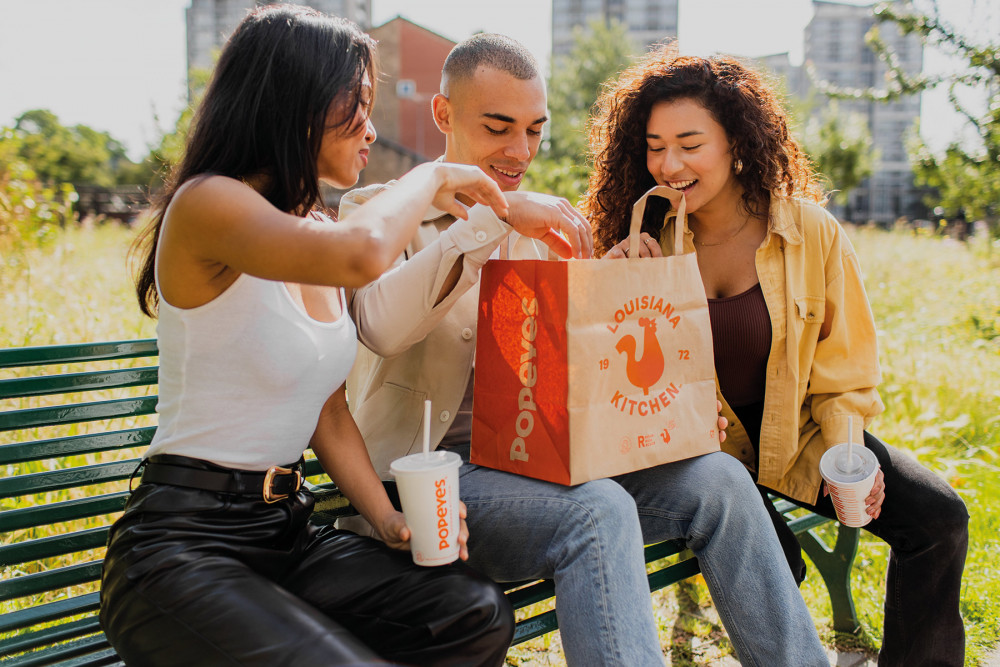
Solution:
(589, 368)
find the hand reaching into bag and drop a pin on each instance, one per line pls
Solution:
(553, 221)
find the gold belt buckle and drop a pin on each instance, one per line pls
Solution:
(272, 472)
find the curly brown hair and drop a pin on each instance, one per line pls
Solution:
(737, 97)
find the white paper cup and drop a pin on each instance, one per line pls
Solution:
(849, 482)
(428, 492)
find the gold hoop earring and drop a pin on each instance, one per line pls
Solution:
(738, 166)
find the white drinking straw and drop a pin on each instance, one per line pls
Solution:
(850, 444)
(427, 427)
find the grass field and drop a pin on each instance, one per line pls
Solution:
(937, 305)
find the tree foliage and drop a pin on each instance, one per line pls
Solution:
(30, 211)
(599, 53)
(967, 178)
(60, 154)
(840, 146)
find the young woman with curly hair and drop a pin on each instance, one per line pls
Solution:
(795, 345)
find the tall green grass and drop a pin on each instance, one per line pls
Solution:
(75, 290)
(937, 305)
(936, 302)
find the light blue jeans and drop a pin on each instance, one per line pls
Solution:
(589, 539)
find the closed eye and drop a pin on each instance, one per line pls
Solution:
(691, 148)
(493, 131)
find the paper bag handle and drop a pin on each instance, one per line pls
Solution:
(677, 202)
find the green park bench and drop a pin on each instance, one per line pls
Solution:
(71, 437)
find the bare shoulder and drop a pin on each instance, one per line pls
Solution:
(206, 196)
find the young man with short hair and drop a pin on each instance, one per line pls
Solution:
(419, 325)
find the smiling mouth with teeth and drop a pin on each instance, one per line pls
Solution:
(681, 185)
(510, 174)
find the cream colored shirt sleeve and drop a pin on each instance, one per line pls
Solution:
(397, 310)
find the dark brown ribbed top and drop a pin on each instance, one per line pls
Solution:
(741, 336)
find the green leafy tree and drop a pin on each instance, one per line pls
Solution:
(599, 53)
(840, 146)
(30, 211)
(967, 178)
(60, 154)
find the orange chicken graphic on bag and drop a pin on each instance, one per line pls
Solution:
(644, 372)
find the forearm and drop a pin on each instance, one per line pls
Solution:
(396, 213)
(340, 448)
(404, 305)
(836, 412)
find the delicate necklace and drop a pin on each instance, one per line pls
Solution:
(729, 238)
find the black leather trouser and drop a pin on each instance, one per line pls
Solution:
(195, 577)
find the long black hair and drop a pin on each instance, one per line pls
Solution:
(264, 113)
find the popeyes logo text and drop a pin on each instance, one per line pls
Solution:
(527, 373)
(443, 524)
(645, 362)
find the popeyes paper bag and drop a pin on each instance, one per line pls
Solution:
(594, 368)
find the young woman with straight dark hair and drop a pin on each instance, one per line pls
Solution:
(214, 561)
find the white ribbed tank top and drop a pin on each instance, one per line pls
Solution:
(243, 377)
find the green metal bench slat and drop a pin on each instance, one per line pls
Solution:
(330, 504)
(57, 354)
(664, 549)
(68, 510)
(527, 595)
(783, 505)
(60, 653)
(67, 478)
(40, 582)
(60, 633)
(77, 412)
(79, 643)
(805, 523)
(77, 444)
(536, 626)
(48, 612)
(56, 545)
(673, 573)
(46, 385)
(107, 657)
(312, 468)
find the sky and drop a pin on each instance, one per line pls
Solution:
(119, 65)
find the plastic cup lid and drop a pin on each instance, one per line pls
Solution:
(855, 465)
(834, 460)
(420, 462)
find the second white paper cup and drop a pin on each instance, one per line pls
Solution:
(428, 492)
(849, 482)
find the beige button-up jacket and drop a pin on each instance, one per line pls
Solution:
(413, 349)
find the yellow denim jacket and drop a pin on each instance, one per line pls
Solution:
(823, 366)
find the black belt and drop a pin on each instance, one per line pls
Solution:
(274, 485)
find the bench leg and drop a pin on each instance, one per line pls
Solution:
(834, 566)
